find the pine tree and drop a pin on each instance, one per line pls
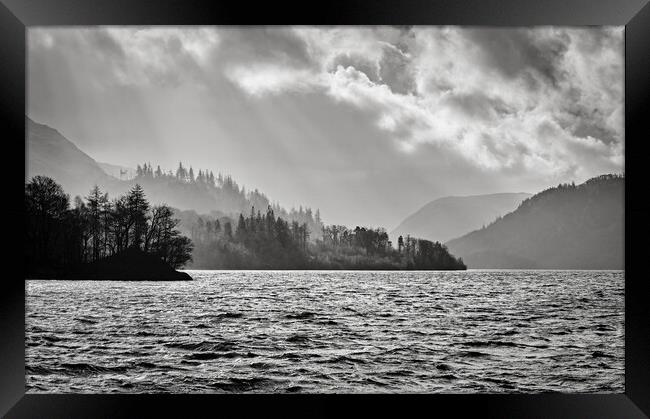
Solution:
(137, 207)
(180, 172)
(106, 209)
(241, 228)
(95, 203)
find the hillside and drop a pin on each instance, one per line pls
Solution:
(51, 154)
(450, 217)
(566, 227)
(117, 171)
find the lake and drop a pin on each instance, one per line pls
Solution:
(482, 331)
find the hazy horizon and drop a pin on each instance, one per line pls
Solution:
(367, 124)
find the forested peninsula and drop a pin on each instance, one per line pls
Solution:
(97, 237)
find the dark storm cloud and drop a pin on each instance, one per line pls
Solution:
(594, 41)
(583, 121)
(395, 70)
(477, 105)
(586, 128)
(513, 52)
(103, 43)
(263, 44)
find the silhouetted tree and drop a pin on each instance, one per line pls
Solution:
(59, 237)
(46, 205)
(137, 207)
(96, 201)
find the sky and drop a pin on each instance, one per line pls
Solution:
(365, 123)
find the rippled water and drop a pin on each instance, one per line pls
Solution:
(287, 331)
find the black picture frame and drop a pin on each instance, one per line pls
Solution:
(16, 15)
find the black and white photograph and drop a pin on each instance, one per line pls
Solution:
(325, 209)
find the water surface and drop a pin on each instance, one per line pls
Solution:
(330, 331)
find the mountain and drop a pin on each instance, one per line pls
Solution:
(566, 227)
(450, 217)
(51, 154)
(117, 171)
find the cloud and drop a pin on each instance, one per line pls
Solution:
(130, 56)
(511, 100)
(260, 79)
(395, 71)
(542, 99)
(278, 45)
(515, 52)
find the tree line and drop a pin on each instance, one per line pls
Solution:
(368, 248)
(219, 193)
(61, 237)
(183, 174)
(266, 241)
(257, 241)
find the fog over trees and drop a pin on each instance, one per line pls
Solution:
(263, 240)
(185, 188)
(218, 194)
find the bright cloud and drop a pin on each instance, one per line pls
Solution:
(270, 78)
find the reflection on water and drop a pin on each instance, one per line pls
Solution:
(291, 331)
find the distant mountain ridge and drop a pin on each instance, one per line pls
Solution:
(449, 217)
(565, 227)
